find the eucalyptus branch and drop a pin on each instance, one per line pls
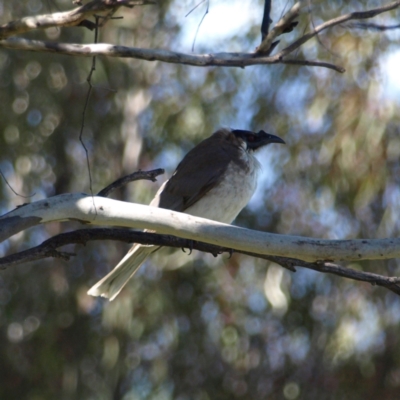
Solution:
(261, 57)
(106, 212)
(49, 249)
(198, 60)
(184, 231)
(338, 21)
(75, 17)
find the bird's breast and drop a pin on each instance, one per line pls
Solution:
(224, 201)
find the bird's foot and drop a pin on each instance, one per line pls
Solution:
(190, 247)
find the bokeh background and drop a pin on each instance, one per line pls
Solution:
(198, 327)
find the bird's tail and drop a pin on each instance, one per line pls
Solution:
(115, 280)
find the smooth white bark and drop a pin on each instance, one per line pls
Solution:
(107, 212)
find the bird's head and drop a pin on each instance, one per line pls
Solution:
(255, 140)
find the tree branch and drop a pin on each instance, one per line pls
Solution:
(219, 59)
(310, 63)
(337, 21)
(138, 175)
(391, 283)
(50, 246)
(285, 24)
(199, 60)
(76, 17)
(82, 236)
(106, 212)
(196, 233)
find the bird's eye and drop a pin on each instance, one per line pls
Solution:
(251, 138)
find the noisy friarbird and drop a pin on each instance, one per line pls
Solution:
(215, 180)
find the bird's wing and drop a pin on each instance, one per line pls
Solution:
(199, 171)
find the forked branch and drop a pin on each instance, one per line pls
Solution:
(78, 17)
(188, 231)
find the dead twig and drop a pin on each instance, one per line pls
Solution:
(147, 175)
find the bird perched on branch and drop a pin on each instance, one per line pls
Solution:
(215, 180)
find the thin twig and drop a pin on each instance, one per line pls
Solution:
(89, 81)
(200, 23)
(197, 5)
(391, 283)
(337, 21)
(318, 36)
(12, 189)
(312, 63)
(148, 175)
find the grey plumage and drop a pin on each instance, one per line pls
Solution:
(215, 180)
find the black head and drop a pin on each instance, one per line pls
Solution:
(256, 140)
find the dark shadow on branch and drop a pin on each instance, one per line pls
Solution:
(50, 246)
(371, 26)
(266, 21)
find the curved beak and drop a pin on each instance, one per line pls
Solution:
(262, 139)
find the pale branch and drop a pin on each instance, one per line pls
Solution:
(138, 175)
(261, 57)
(199, 60)
(49, 249)
(285, 24)
(106, 212)
(337, 21)
(75, 17)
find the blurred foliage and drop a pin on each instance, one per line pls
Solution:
(198, 327)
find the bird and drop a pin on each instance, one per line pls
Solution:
(215, 180)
